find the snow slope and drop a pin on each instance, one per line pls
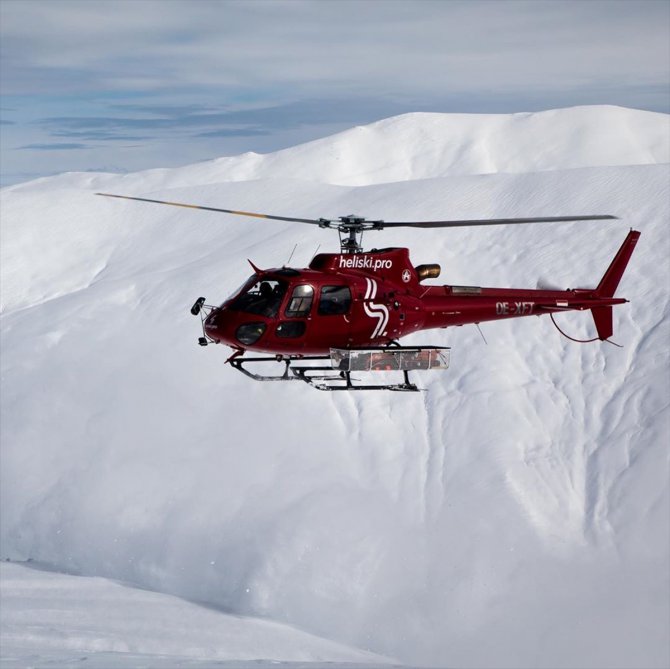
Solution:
(515, 514)
(61, 617)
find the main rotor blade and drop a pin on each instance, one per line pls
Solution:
(492, 221)
(323, 222)
(314, 221)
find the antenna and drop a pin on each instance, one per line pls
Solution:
(292, 252)
(482, 334)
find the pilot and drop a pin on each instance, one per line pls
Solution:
(266, 290)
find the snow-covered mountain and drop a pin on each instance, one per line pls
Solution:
(424, 145)
(515, 514)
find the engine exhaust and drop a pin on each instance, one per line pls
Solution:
(428, 271)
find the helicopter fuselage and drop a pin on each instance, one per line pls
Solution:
(376, 298)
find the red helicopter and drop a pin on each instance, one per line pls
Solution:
(346, 312)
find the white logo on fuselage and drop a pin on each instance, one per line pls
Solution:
(364, 262)
(378, 311)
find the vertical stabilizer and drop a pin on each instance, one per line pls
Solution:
(608, 284)
(602, 317)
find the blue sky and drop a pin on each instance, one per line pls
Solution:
(123, 85)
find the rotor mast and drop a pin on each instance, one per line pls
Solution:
(350, 229)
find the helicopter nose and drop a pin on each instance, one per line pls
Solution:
(225, 327)
(215, 324)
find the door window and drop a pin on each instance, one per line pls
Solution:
(301, 302)
(334, 300)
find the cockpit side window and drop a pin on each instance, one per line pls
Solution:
(334, 300)
(301, 301)
(262, 298)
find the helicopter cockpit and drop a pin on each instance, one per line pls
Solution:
(261, 297)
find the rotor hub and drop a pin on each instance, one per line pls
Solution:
(351, 229)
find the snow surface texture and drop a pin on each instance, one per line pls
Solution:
(514, 515)
(60, 617)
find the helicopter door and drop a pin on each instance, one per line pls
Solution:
(332, 319)
(298, 309)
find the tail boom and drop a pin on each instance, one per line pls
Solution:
(458, 305)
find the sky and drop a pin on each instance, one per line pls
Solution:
(124, 85)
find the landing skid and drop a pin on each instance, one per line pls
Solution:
(239, 362)
(334, 372)
(321, 377)
(343, 381)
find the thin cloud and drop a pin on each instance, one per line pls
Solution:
(53, 147)
(316, 47)
(249, 132)
(236, 123)
(100, 136)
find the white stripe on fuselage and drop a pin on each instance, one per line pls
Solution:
(373, 310)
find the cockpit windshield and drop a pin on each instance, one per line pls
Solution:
(262, 297)
(243, 288)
